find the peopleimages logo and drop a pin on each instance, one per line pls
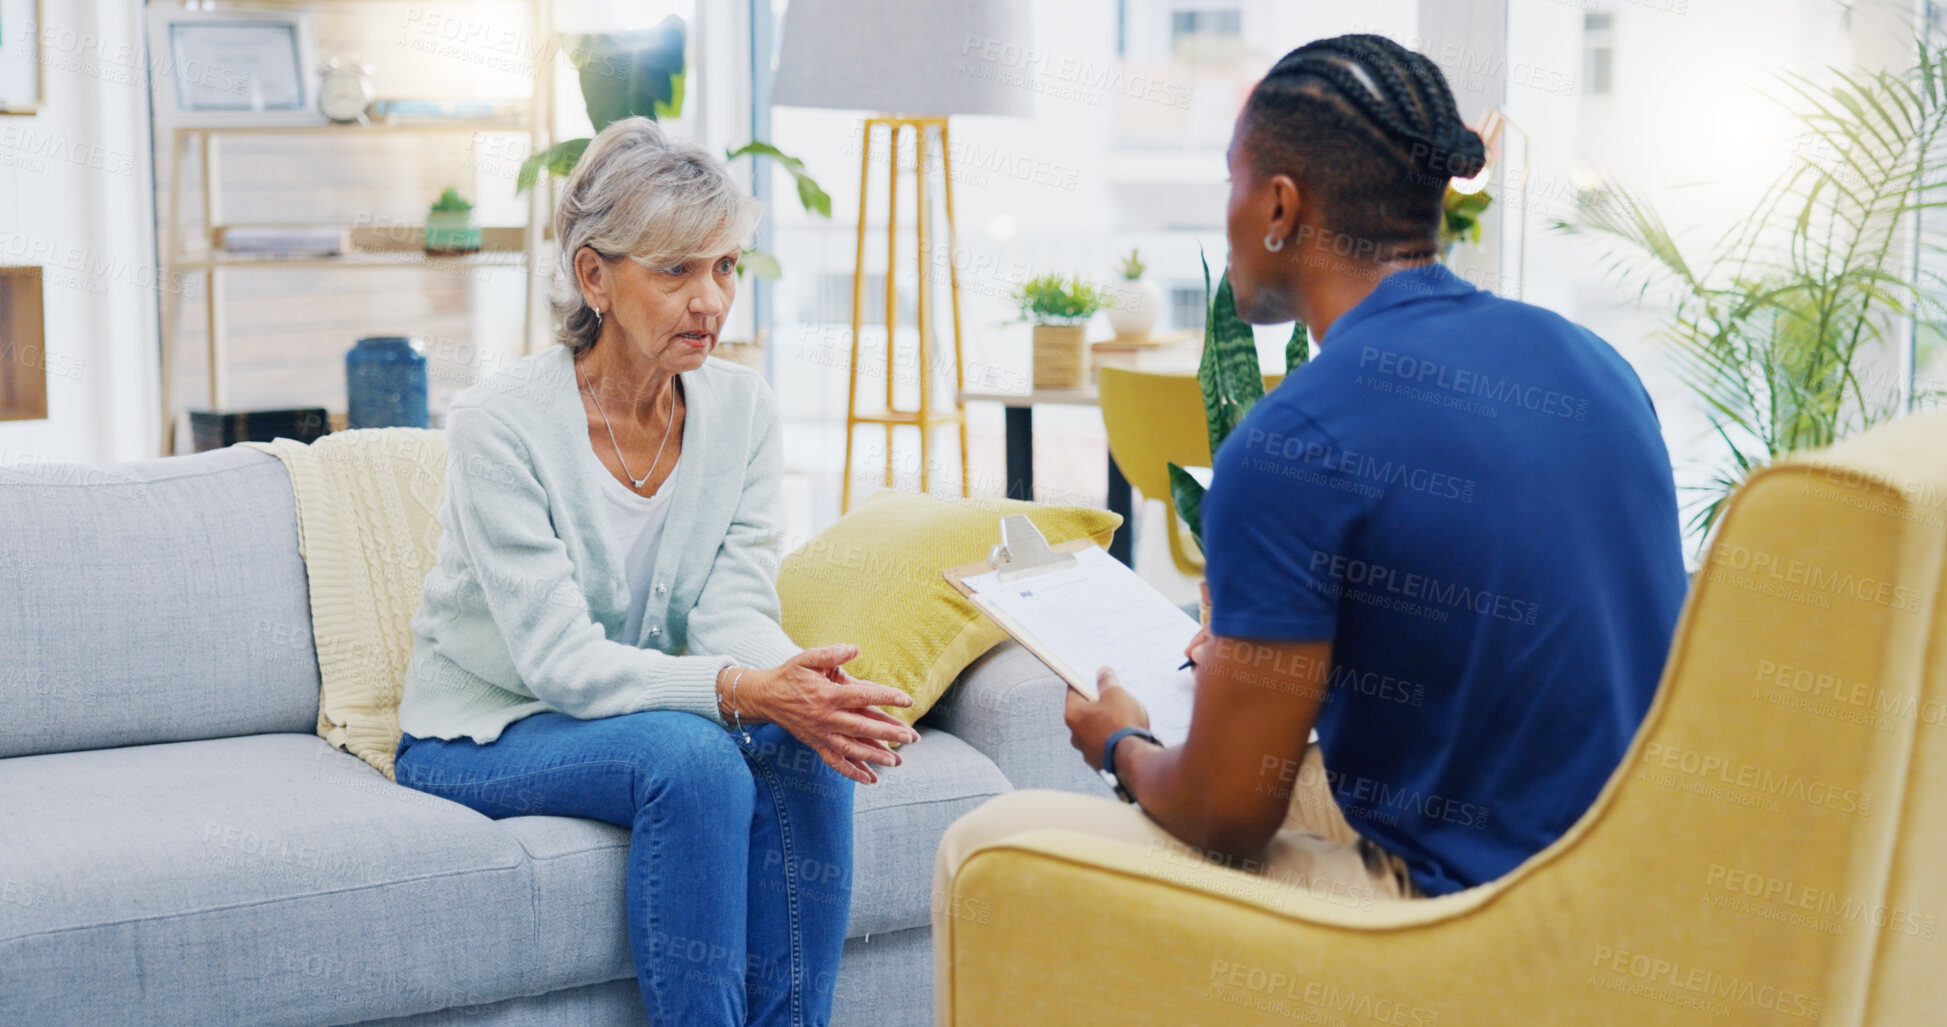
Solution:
(1423, 588)
(1472, 383)
(1701, 981)
(1821, 901)
(1359, 465)
(1762, 780)
(1814, 577)
(1063, 76)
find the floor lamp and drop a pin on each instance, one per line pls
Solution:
(928, 59)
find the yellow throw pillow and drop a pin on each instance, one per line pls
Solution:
(873, 579)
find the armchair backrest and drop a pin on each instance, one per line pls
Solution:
(1772, 843)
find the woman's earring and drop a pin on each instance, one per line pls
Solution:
(598, 318)
(1274, 243)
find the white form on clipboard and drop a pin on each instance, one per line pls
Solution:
(1088, 612)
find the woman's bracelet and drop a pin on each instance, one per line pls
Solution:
(732, 703)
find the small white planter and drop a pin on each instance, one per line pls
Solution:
(1137, 306)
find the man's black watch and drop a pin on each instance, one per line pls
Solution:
(1108, 758)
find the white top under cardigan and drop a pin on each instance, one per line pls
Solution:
(524, 609)
(637, 522)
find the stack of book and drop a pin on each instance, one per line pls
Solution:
(215, 429)
(284, 240)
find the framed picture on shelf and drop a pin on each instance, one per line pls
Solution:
(232, 67)
(23, 346)
(21, 81)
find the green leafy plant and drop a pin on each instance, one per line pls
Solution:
(1769, 326)
(1460, 219)
(623, 75)
(811, 196)
(642, 73)
(451, 202)
(1132, 266)
(1053, 299)
(1232, 383)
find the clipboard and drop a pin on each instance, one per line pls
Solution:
(1092, 612)
(1024, 552)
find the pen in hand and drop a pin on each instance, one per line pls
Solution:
(1187, 664)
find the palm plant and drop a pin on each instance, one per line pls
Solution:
(1771, 326)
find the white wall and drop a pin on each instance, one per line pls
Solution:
(74, 198)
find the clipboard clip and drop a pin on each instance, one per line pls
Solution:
(1024, 550)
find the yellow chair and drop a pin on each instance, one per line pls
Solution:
(1770, 850)
(1155, 420)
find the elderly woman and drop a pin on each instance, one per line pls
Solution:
(600, 637)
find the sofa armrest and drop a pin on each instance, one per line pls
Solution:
(1008, 705)
(1056, 926)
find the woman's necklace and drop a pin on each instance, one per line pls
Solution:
(671, 423)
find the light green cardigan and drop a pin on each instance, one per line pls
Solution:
(523, 610)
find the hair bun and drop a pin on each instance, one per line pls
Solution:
(1462, 155)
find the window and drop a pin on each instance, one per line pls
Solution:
(829, 300)
(1598, 53)
(1206, 35)
(1125, 151)
(1186, 307)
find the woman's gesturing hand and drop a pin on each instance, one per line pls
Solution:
(834, 713)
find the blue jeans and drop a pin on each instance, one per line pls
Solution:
(740, 854)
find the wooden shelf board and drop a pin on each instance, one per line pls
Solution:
(357, 258)
(378, 127)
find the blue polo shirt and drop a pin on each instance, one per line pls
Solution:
(1471, 499)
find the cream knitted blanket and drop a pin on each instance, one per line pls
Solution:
(368, 527)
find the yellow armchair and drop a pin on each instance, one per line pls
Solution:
(1154, 420)
(1772, 849)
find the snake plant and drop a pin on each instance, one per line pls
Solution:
(1231, 381)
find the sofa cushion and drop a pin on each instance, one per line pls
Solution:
(1008, 705)
(155, 601)
(874, 579)
(897, 825)
(273, 879)
(263, 879)
(577, 869)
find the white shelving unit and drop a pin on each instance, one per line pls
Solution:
(201, 252)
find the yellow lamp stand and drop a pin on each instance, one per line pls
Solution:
(927, 414)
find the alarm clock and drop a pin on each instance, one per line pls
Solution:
(346, 91)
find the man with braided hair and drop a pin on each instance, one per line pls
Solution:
(1449, 543)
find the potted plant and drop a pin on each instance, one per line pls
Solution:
(1460, 219)
(1060, 307)
(1232, 383)
(1138, 302)
(653, 88)
(449, 226)
(1774, 327)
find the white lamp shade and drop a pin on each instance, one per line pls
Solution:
(919, 57)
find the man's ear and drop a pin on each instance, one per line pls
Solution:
(592, 276)
(1287, 200)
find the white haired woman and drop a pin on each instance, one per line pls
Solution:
(600, 637)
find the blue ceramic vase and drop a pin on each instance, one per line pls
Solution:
(385, 383)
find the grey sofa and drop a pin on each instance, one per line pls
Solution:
(177, 846)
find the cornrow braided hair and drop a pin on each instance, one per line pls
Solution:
(1371, 128)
